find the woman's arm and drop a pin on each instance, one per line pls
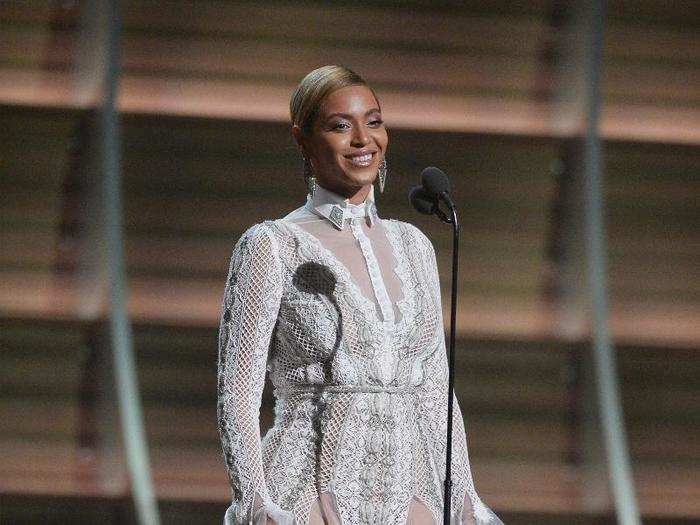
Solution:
(467, 507)
(249, 311)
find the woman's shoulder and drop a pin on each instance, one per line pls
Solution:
(270, 235)
(256, 232)
(258, 238)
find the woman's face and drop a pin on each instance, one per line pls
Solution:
(348, 141)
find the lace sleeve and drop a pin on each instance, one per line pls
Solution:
(248, 314)
(467, 507)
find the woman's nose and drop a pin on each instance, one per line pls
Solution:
(360, 137)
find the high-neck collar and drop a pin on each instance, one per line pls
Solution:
(337, 208)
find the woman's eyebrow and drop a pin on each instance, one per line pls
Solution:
(348, 116)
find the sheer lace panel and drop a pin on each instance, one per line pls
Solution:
(344, 247)
(324, 513)
(418, 514)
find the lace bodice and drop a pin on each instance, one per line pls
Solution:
(343, 310)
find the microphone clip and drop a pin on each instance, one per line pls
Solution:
(440, 213)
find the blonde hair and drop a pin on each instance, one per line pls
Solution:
(316, 86)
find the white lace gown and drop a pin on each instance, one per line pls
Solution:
(343, 309)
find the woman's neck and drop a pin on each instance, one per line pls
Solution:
(354, 196)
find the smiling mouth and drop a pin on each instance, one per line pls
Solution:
(361, 161)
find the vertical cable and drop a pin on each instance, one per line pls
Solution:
(605, 369)
(128, 396)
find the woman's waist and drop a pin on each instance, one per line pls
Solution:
(322, 388)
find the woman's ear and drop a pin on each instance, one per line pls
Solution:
(298, 136)
(302, 142)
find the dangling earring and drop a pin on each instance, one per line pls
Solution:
(381, 174)
(309, 176)
(312, 185)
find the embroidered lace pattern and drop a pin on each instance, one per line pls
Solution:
(348, 325)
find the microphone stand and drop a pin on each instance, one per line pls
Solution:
(428, 202)
(450, 374)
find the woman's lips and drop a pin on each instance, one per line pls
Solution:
(361, 160)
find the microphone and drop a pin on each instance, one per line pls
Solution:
(425, 199)
(437, 185)
(421, 200)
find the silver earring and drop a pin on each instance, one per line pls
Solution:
(381, 173)
(309, 176)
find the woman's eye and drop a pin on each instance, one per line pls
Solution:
(341, 125)
(376, 122)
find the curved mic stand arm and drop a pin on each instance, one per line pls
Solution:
(441, 214)
(450, 374)
(444, 196)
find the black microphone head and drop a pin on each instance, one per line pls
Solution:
(421, 200)
(435, 181)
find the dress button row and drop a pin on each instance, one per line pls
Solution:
(374, 273)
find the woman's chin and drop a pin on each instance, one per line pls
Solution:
(359, 184)
(362, 177)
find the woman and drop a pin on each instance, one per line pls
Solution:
(343, 309)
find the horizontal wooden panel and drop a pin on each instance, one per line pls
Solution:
(406, 109)
(54, 419)
(466, 68)
(627, 77)
(25, 250)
